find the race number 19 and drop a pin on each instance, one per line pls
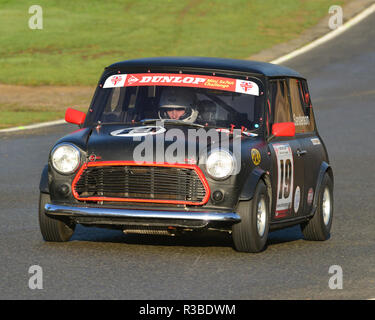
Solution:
(286, 178)
(284, 158)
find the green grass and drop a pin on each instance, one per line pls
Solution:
(17, 115)
(18, 118)
(80, 38)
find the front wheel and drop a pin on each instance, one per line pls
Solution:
(319, 227)
(250, 235)
(52, 229)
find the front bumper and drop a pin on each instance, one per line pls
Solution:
(135, 217)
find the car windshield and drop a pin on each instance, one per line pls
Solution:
(208, 102)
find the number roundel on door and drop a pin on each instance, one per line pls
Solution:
(285, 179)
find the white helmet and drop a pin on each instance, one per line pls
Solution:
(178, 98)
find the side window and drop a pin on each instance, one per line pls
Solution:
(301, 106)
(279, 102)
(308, 108)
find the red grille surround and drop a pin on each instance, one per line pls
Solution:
(87, 165)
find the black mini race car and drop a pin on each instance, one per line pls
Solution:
(178, 144)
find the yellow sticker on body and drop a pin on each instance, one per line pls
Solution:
(255, 156)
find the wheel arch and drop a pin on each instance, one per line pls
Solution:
(324, 168)
(248, 189)
(43, 185)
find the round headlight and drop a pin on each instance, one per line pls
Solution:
(220, 164)
(65, 158)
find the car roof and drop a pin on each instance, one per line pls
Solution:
(249, 66)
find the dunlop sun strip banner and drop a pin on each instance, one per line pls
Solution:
(182, 80)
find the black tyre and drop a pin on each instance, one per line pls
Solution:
(250, 235)
(52, 229)
(319, 227)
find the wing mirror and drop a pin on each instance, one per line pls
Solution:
(283, 129)
(75, 116)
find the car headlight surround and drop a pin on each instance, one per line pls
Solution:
(220, 164)
(65, 158)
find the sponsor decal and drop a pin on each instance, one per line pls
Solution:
(247, 87)
(315, 141)
(138, 131)
(255, 156)
(301, 120)
(132, 79)
(297, 199)
(93, 157)
(182, 80)
(285, 179)
(115, 81)
(310, 196)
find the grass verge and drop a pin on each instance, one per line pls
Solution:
(80, 38)
(20, 118)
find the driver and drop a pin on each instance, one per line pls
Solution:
(178, 104)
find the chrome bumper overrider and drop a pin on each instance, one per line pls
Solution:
(149, 215)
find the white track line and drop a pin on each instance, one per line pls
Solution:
(34, 126)
(329, 36)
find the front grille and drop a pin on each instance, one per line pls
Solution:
(180, 184)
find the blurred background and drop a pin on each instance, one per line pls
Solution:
(44, 71)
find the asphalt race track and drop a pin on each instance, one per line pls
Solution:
(105, 264)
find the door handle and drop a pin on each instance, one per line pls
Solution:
(301, 152)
